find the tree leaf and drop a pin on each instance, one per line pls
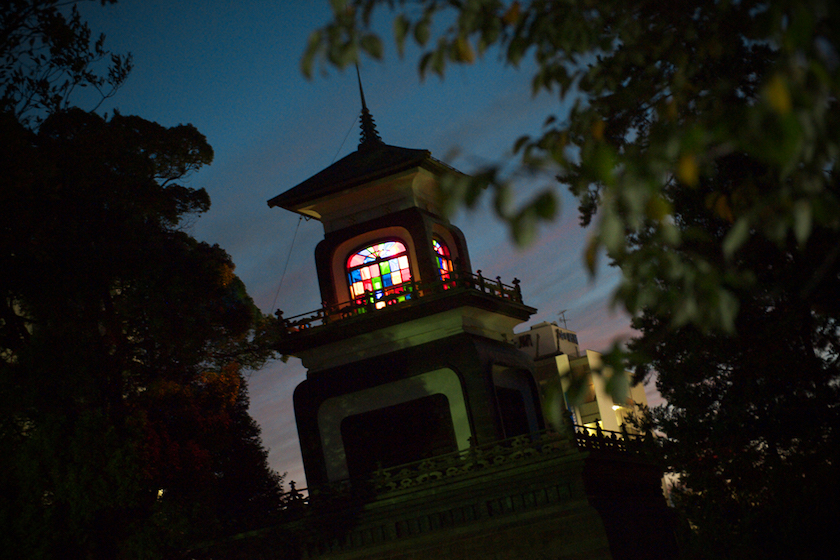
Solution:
(372, 45)
(802, 220)
(401, 27)
(736, 237)
(422, 31)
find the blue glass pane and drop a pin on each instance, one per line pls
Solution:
(386, 281)
(356, 275)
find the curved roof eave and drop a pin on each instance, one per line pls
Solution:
(359, 167)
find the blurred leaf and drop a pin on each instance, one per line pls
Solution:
(687, 170)
(372, 45)
(657, 208)
(464, 51)
(546, 206)
(513, 13)
(777, 94)
(520, 142)
(554, 407)
(736, 237)
(611, 232)
(578, 389)
(401, 27)
(313, 47)
(422, 32)
(524, 226)
(617, 385)
(591, 254)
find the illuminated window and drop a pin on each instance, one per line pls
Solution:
(378, 274)
(444, 259)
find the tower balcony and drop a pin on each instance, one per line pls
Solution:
(405, 303)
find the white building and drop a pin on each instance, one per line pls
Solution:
(558, 358)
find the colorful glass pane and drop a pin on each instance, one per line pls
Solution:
(376, 273)
(443, 258)
(383, 250)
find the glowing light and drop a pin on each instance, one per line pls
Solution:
(444, 259)
(381, 266)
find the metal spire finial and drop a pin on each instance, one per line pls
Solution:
(369, 137)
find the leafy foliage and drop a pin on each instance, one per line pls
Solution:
(751, 417)
(124, 429)
(125, 424)
(46, 54)
(651, 93)
(701, 140)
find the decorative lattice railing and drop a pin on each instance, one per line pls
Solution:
(409, 293)
(500, 454)
(479, 457)
(596, 439)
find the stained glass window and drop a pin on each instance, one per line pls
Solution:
(444, 259)
(378, 274)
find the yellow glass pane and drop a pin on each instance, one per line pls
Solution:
(403, 262)
(365, 274)
(396, 278)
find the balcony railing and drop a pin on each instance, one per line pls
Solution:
(403, 295)
(527, 447)
(597, 439)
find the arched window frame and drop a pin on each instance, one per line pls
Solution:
(381, 285)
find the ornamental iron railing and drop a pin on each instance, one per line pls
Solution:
(407, 294)
(499, 454)
(526, 447)
(597, 439)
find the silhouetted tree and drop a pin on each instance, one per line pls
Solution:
(753, 417)
(46, 54)
(124, 430)
(701, 139)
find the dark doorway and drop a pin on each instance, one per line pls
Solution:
(397, 434)
(512, 409)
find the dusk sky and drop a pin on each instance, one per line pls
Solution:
(231, 68)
